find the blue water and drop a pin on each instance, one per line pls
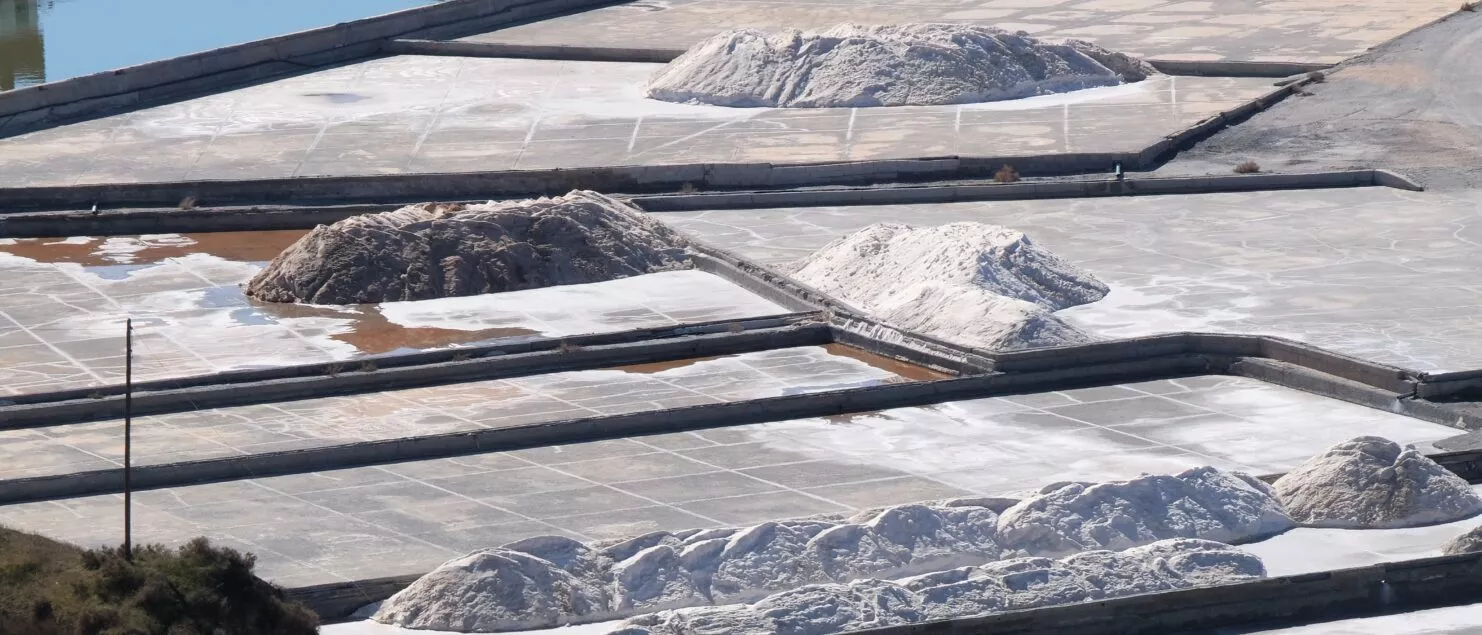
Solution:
(50, 40)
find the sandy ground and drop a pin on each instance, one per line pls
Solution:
(1413, 105)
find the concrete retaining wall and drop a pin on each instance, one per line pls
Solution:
(365, 375)
(1235, 68)
(532, 51)
(519, 183)
(178, 77)
(594, 428)
(18, 223)
(1013, 191)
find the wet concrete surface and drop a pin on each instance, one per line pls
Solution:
(447, 114)
(409, 517)
(63, 305)
(1247, 30)
(1382, 274)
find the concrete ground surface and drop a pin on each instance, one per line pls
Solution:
(1383, 274)
(1309, 550)
(307, 423)
(413, 114)
(63, 305)
(1248, 30)
(409, 517)
(1413, 105)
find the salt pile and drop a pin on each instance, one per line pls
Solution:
(836, 567)
(1373, 483)
(1007, 585)
(851, 66)
(971, 283)
(1202, 502)
(548, 581)
(1466, 543)
(427, 251)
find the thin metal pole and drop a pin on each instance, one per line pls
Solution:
(128, 544)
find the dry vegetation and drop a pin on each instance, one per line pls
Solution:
(52, 588)
(1006, 174)
(1249, 167)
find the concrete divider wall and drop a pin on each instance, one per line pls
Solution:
(173, 220)
(569, 431)
(198, 395)
(532, 51)
(1008, 191)
(1235, 68)
(217, 68)
(734, 271)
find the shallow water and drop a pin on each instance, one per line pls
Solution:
(51, 40)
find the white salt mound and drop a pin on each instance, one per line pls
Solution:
(547, 581)
(1006, 585)
(1465, 543)
(1202, 502)
(426, 251)
(972, 283)
(850, 66)
(1373, 483)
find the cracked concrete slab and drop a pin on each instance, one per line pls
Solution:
(1382, 274)
(409, 517)
(414, 114)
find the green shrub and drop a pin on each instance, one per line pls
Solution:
(49, 588)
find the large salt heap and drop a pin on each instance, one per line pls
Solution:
(1373, 483)
(971, 283)
(422, 252)
(1203, 502)
(851, 66)
(547, 581)
(1006, 585)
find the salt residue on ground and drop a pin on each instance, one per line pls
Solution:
(1373, 483)
(549, 581)
(1203, 502)
(1006, 585)
(428, 251)
(850, 66)
(971, 283)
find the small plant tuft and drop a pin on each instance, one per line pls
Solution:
(462, 357)
(333, 369)
(1006, 174)
(1317, 77)
(567, 347)
(735, 327)
(188, 203)
(367, 366)
(687, 188)
(1249, 167)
